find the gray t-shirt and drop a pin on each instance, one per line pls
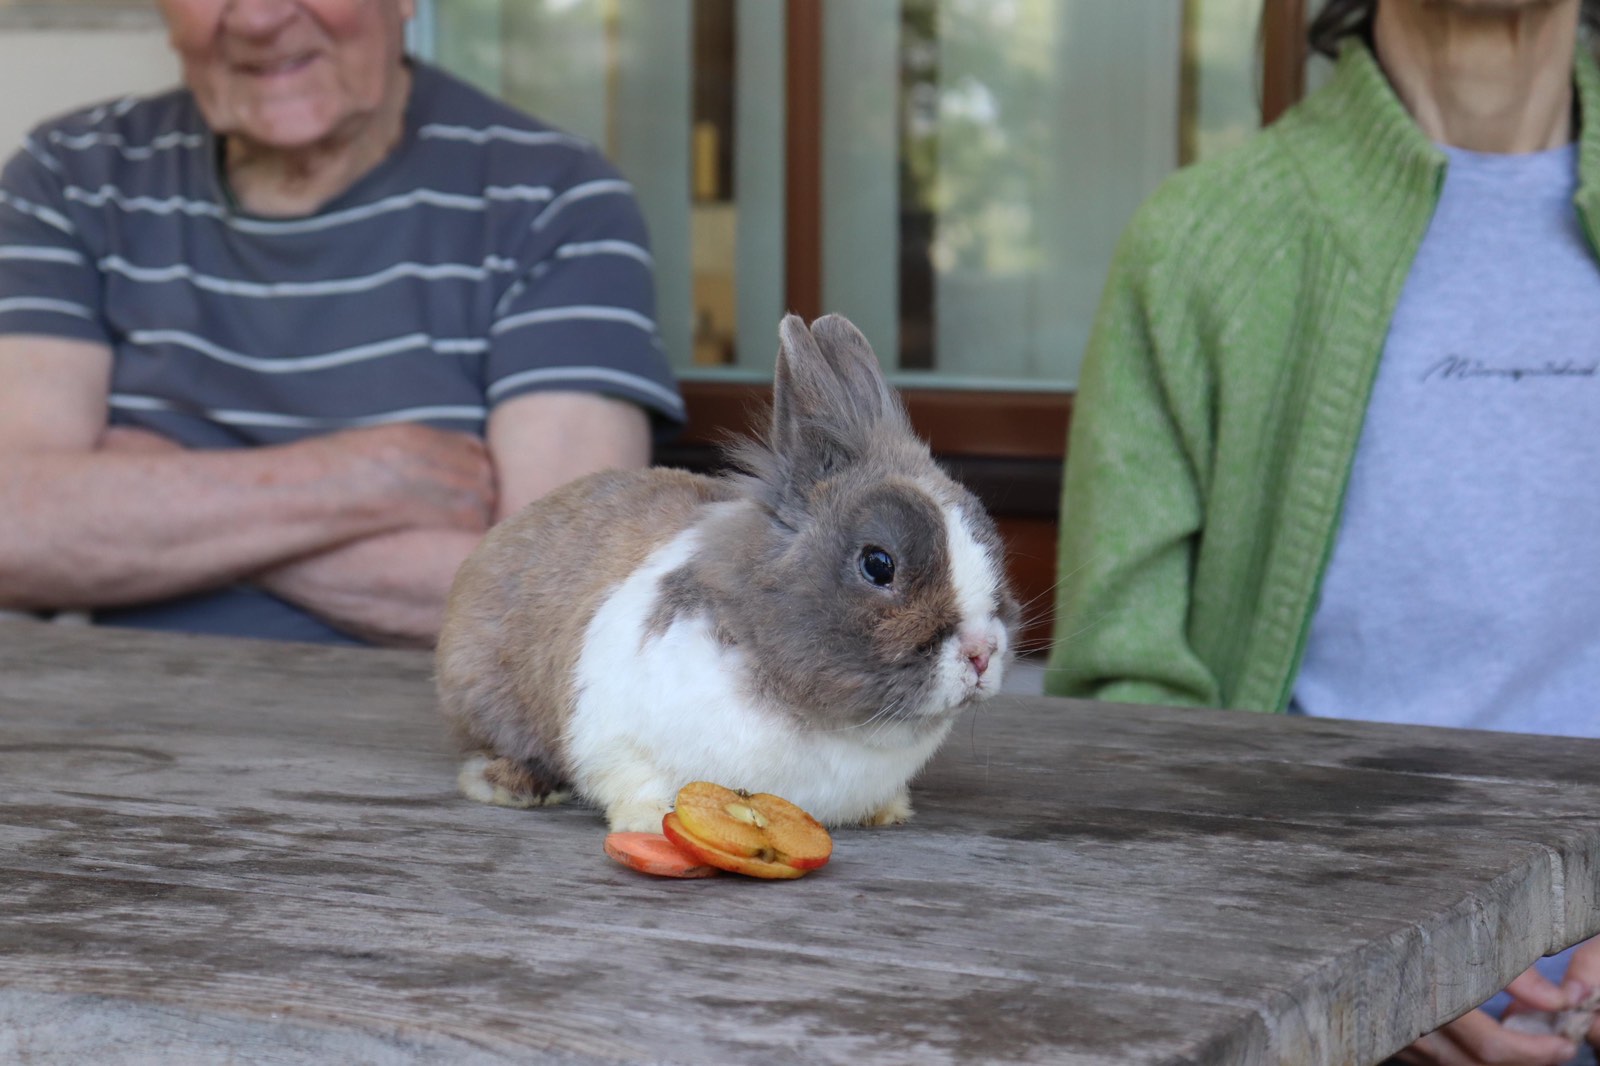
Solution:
(1464, 585)
(488, 256)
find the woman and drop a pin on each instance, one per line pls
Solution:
(1333, 448)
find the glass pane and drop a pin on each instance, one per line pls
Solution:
(686, 98)
(1028, 131)
(980, 157)
(1222, 61)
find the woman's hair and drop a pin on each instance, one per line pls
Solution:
(1339, 19)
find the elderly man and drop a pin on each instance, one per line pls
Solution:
(277, 347)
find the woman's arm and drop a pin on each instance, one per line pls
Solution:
(1132, 512)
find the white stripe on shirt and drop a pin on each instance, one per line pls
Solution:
(32, 148)
(43, 214)
(457, 412)
(120, 106)
(482, 135)
(165, 205)
(602, 187)
(582, 312)
(81, 141)
(330, 287)
(205, 209)
(543, 375)
(290, 364)
(41, 303)
(40, 253)
(578, 249)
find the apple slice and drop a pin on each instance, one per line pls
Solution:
(722, 860)
(757, 834)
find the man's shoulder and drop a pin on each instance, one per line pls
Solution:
(113, 142)
(126, 122)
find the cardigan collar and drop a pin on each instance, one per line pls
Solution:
(1378, 175)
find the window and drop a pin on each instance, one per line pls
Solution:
(951, 174)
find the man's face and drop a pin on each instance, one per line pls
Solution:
(287, 73)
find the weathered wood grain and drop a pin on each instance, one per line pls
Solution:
(212, 848)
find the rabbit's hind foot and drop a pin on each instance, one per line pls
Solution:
(504, 782)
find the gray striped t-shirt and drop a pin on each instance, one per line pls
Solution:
(488, 256)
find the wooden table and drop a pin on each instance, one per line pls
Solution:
(241, 851)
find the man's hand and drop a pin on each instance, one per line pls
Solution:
(443, 480)
(1476, 1039)
(386, 589)
(391, 589)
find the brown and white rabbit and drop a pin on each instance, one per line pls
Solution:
(810, 627)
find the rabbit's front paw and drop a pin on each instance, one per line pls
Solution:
(896, 812)
(636, 816)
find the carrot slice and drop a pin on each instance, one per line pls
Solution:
(652, 853)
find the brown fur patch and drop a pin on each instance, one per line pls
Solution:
(521, 603)
(517, 778)
(909, 628)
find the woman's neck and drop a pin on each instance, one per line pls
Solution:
(1485, 81)
(284, 183)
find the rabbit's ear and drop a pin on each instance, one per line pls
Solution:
(829, 397)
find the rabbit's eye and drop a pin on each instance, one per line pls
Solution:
(877, 566)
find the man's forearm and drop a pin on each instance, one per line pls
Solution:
(389, 589)
(97, 529)
(103, 528)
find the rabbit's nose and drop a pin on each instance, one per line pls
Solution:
(977, 651)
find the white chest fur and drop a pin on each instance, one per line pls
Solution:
(656, 712)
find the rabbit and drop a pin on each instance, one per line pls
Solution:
(808, 626)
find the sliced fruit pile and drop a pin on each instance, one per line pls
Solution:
(717, 828)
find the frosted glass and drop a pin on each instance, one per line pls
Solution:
(650, 113)
(1056, 118)
(759, 179)
(1225, 47)
(860, 169)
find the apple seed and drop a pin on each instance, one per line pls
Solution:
(742, 812)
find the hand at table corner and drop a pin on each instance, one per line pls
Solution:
(1583, 977)
(1477, 1039)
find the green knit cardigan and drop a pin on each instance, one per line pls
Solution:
(1223, 391)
